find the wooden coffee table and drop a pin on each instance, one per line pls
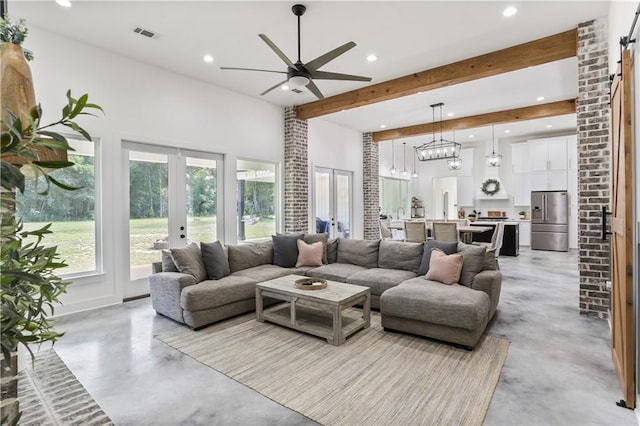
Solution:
(317, 312)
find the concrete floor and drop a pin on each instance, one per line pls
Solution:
(558, 371)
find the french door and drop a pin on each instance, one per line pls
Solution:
(333, 202)
(174, 198)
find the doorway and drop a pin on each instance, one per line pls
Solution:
(445, 196)
(174, 196)
(333, 202)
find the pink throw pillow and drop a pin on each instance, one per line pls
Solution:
(309, 254)
(444, 268)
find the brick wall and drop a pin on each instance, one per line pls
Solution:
(370, 187)
(593, 166)
(296, 173)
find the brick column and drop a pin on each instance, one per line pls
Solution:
(593, 166)
(296, 173)
(370, 187)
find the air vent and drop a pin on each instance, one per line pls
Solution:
(296, 90)
(146, 33)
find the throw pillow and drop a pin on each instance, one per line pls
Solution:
(215, 261)
(473, 262)
(167, 262)
(324, 238)
(444, 268)
(358, 252)
(332, 250)
(446, 247)
(245, 256)
(309, 254)
(188, 260)
(285, 250)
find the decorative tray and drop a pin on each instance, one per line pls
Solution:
(310, 284)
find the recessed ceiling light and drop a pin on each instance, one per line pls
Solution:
(284, 87)
(419, 93)
(207, 58)
(509, 11)
(507, 131)
(382, 126)
(64, 3)
(372, 58)
(471, 136)
(549, 126)
(450, 114)
(540, 98)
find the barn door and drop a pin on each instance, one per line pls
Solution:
(622, 339)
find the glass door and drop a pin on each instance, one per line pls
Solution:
(333, 202)
(173, 201)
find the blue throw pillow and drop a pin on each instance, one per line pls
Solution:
(446, 247)
(285, 249)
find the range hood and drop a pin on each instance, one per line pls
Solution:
(500, 195)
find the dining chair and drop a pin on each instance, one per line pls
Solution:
(496, 240)
(415, 232)
(385, 232)
(445, 231)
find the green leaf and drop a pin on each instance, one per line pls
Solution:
(54, 164)
(60, 184)
(11, 177)
(79, 106)
(55, 136)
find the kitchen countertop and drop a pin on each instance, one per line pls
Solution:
(493, 222)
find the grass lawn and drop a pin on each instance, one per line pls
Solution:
(76, 243)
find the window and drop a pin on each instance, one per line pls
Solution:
(257, 200)
(394, 196)
(73, 214)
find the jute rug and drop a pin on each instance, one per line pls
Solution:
(50, 394)
(374, 378)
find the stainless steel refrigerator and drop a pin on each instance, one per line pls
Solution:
(550, 220)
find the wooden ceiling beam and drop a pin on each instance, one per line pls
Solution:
(537, 52)
(551, 109)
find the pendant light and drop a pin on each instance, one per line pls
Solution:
(415, 165)
(493, 159)
(455, 163)
(405, 173)
(437, 149)
(393, 158)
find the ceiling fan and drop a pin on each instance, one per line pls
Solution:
(300, 74)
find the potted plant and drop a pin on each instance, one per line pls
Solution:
(29, 288)
(522, 214)
(472, 216)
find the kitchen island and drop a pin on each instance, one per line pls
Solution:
(510, 238)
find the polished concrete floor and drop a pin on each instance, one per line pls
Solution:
(558, 371)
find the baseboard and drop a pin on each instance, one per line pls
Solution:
(132, 298)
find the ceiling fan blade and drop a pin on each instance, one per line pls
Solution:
(277, 50)
(324, 75)
(314, 89)
(329, 56)
(251, 69)
(273, 87)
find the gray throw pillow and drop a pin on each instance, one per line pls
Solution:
(490, 262)
(167, 262)
(474, 257)
(400, 255)
(314, 238)
(285, 250)
(332, 250)
(188, 260)
(446, 247)
(215, 261)
(358, 252)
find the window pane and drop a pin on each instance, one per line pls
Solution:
(72, 213)
(202, 201)
(343, 204)
(148, 211)
(256, 200)
(394, 196)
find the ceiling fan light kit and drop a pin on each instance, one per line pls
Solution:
(300, 74)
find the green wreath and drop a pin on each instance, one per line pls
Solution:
(490, 186)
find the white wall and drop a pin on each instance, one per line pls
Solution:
(620, 18)
(146, 104)
(336, 147)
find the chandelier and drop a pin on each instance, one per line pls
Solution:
(494, 159)
(438, 149)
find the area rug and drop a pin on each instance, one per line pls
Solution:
(375, 377)
(50, 394)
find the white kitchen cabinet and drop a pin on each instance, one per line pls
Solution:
(572, 152)
(555, 180)
(522, 189)
(520, 161)
(466, 155)
(525, 233)
(548, 154)
(466, 191)
(557, 154)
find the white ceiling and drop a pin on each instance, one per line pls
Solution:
(406, 36)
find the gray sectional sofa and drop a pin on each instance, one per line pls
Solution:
(409, 303)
